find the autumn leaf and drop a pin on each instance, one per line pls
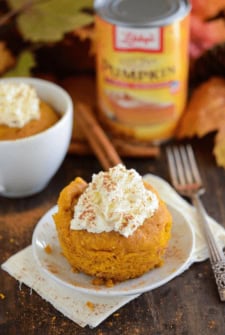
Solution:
(205, 111)
(49, 20)
(25, 62)
(7, 60)
(204, 114)
(219, 148)
(87, 33)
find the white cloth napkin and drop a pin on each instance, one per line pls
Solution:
(92, 310)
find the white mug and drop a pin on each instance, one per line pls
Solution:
(28, 164)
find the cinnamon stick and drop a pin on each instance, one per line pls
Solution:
(80, 148)
(124, 149)
(128, 149)
(97, 139)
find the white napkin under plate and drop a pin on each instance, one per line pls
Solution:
(85, 309)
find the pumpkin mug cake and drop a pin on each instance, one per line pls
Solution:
(22, 113)
(35, 132)
(114, 228)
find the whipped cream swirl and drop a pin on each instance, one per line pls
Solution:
(116, 200)
(19, 104)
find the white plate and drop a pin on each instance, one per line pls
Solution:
(56, 267)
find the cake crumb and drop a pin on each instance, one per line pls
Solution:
(116, 314)
(109, 283)
(48, 249)
(212, 324)
(104, 282)
(98, 281)
(2, 296)
(90, 305)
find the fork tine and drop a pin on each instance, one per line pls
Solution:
(186, 164)
(193, 164)
(186, 179)
(172, 166)
(179, 165)
(176, 165)
(183, 165)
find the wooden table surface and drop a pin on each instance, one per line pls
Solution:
(187, 305)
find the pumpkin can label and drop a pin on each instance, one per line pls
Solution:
(142, 77)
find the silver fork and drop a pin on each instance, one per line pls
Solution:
(186, 179)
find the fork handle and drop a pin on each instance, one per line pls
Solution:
(217, 257)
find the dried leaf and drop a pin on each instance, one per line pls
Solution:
(219, 148)
(48, 21)
(205, 35)
(87, 33)
(25, 63)
(213, 8)
(7, 60)
(205, 111)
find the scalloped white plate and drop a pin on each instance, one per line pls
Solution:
(56, 267)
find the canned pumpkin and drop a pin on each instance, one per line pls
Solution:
(142, 65)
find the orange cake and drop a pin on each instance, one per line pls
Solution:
(22, 114)
(104, 229)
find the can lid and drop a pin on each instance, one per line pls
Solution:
(142, 13)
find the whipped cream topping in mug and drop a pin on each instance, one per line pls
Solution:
(19, 104)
